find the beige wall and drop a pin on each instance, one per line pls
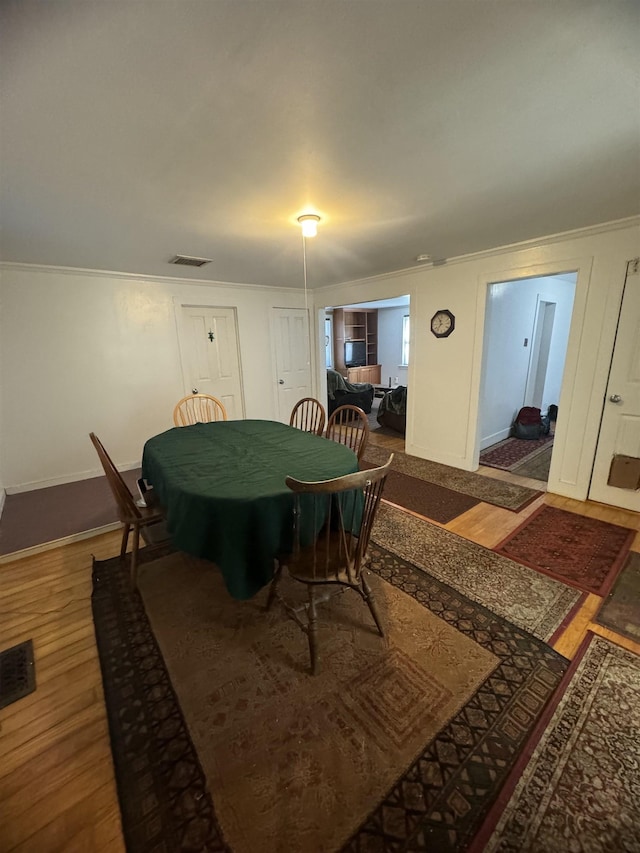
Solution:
(82, 351)
(86, 351)
(445, 374)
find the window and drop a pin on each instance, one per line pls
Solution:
(405, 341)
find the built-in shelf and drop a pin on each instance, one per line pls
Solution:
(357, 325)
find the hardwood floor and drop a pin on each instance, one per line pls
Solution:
(57, 788)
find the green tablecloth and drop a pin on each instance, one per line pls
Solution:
(222, 486)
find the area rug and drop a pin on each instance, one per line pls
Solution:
(575, 788)
(532, 601)
(514, 452)
(620, 610)
(536, 468)
(487, 489)
(584, 552)
(425, 498)
(221, 739)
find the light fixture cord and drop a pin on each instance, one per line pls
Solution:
(304, 270)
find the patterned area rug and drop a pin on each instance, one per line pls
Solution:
(620, 611)
(484, 489)
(425, 498)
(400, 743)
(583, 552)
(532, 601)
(579, 791)
(513, 452)
(536, 468)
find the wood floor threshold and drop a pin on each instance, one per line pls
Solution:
(59, 543)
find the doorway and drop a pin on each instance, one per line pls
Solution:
(527, 323)
(382, 328)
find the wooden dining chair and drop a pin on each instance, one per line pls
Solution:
(349, 425)
(147, 522)
(198, 409)
(308, 415)
(337, 553)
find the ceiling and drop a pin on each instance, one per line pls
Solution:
(134, 130)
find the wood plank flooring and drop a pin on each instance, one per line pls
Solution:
(57, 787)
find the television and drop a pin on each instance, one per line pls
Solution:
(355, 353)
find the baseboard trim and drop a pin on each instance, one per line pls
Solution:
(58, 543)
(72, 478)
(494, 439)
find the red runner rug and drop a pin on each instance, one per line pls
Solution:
(583, 552)
(512, 452)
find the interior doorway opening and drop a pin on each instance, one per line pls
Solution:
(527, 323)
(369, 346)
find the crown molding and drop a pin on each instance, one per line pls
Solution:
(546, 240)
(130, 276)
(536, 242)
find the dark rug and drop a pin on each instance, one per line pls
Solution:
(44, 515)
(400, 743)
(487, 489)
(575, 787)
(620, 610)
(511, 453)
(584, 552)
(425, 498)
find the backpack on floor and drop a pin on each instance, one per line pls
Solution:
(530, 424)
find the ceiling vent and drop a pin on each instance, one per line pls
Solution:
(188, 261)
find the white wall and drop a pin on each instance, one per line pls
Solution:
(88, 352)
(390, 344)
(82, 352)
(509, 321)
(444, 374)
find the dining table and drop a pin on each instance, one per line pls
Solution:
(222, 488)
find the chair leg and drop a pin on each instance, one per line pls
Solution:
(312, 630)
(274, 585)
(125, 541)
(368, 596)
(134, 557)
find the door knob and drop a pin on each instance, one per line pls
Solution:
(194, 390)
(280, 381)
(615, 398)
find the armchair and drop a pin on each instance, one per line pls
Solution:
(341, 393)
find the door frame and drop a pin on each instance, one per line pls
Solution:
(571, 462)
(178, 304)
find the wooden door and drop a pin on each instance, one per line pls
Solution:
(210, 359)
(620, 427)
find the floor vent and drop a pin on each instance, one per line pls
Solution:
(188, 261)
(17, 673)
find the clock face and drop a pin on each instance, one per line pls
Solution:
(443, 323)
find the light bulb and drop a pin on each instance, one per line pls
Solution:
(309, 224)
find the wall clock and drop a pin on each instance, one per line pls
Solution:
(443, 323)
